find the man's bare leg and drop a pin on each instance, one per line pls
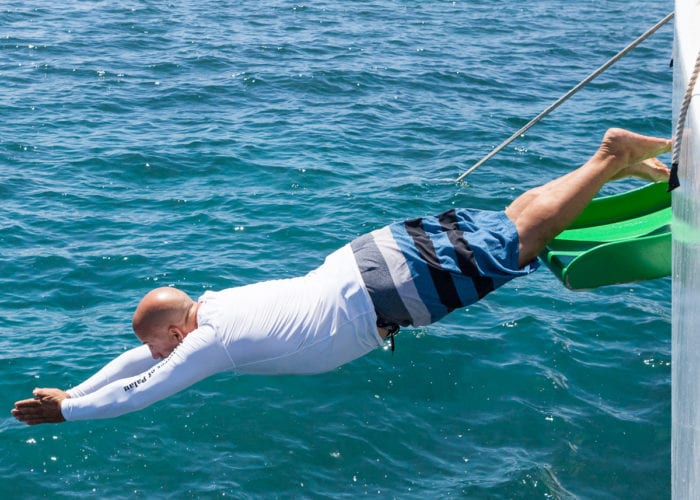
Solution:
(543, 212)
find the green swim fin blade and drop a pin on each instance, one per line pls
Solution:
(617, 239)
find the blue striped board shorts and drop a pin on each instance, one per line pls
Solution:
(419, 270)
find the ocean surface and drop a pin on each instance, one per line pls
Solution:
(212, 144)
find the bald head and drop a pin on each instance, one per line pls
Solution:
(160, 310)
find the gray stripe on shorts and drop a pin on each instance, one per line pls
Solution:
(378, 280)
(401, 276)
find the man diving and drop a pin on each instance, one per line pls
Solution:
(409, 273)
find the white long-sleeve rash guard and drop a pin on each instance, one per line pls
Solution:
(304, 325)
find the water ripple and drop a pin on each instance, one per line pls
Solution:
(224, 143)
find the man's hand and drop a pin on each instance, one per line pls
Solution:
(44, 408)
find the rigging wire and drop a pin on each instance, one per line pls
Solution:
(566, 96)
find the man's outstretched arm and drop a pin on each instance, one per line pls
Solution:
(45, 406)
(128, 364)
(199, 356)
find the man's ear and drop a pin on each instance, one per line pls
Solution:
(176, 333)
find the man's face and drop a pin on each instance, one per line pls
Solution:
(162, 343)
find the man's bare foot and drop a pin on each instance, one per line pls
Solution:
(629, 150)
(650, 169)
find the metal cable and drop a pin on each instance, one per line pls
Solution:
(566, 96)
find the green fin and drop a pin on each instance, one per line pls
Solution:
(616, 239)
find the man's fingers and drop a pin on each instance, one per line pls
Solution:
(31, 419)
(28, 410)
(51, 393)
(22, 415)
(28, 415)
(34, 417)
(28, 403)
(42, 392)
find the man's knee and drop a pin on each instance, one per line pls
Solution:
(515, 210)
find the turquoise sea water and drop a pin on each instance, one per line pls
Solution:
(212, 144)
